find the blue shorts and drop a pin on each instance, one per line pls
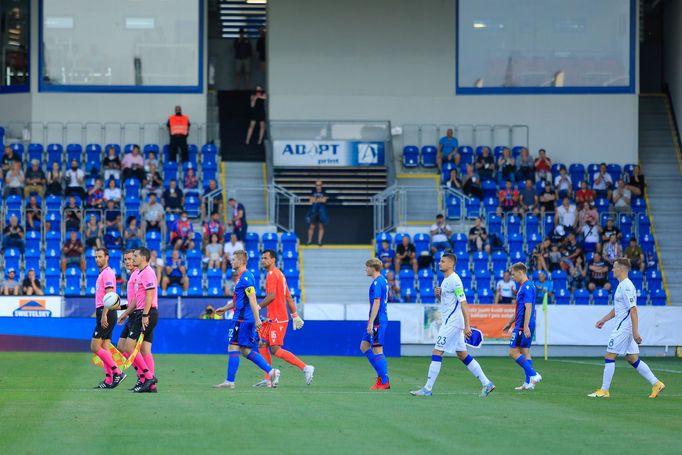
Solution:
(243, 334)
(317, 214)
(377, 336)
(519, 340)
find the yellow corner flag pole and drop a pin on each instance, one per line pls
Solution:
(544, 311)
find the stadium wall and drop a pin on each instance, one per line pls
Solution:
(672, 42)
(395, 60)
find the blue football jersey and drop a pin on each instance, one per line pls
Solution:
(379, 290)
(526, 294)
(244, 287)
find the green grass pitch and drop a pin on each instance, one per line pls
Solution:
(47, 406)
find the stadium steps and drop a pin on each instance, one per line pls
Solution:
(244, 181)
(335, 275)
(423, 197)
(663, 171)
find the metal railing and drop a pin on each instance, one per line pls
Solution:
(467, 134)
(282, 207)
(389, 209)
(447, 194)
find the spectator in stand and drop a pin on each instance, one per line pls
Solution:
(528, 199)
(239, 224)
(260, 47)
(598, 272)
(173, 198)
(132, 236)
(612, 251)
(175, 273)
(230, 247)
(73, 215)
(133, 165)
(570, 251)
(505, 289)
(478, 237)
(182, 234)
(555, 257)
(507, 166)
(153, 183)
(587, 214)
(543, 286)
(447, 148)
(242, 59)
(540, 256)
(547, 200)
(75, 178)
(406, 254)
(8, 158)
(440, 234)
(111, 164)
(566, 215)
(11, 285)
(55, 178)
(508, 199)
(31, 284)
(95, 199)
(190, 182)
(72, 253)
(257, 114)
(317, 214)
(591, 235)
(577, 275)
(454, 182)
(34, 214)
(149, 160)
(112, 192)
(13, 235)
(152, 216)
(93, 233)
(386, 254)
(562, 184)
(602, 182)
(543, 166)
(485, 165)
(609, 231)
(635, 182)
(156, 263)
(213, 226)
(214, 252)
(621, 197)
(526, 167)
(393, 287)
(635, 254)
(35, 180)
(584, 194)
(14, 180)
(178, 127)
(217, 200)
(471, 183)
(112, 216)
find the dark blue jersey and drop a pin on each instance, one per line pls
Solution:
(526, 294)
(379, 290)
(246, 285)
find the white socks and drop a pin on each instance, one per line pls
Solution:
(643, 369)
(609, 369)
(477, 371)
(434, 369)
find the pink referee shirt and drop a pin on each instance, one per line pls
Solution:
(146, 279)
(130, 292)
(106, 279)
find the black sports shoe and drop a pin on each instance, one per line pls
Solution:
(144, 387)
(137, 384)
(118, 379)
(103, 385)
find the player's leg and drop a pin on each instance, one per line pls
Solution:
(475, 369)
(233, 354)
(365, 348)
(276, 341)
(146, 348)
(526, 353)
(643, 369)
(434, 370)
(516, 354)
(264, 349)
(382, 367)
(248, 343)
(607, 376)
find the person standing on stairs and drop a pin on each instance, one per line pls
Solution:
(257, 115)
(178, 127)
(317, 215)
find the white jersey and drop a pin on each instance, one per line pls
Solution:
(451, 295)
(624, 299)
(506, 288)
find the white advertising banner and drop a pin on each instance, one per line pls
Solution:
(31, 307)
(305, 153)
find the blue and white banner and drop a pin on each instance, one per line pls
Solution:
(31, 307)
(327, 153)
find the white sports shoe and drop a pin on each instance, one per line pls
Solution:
(525, 386)
(263, 383)
(535, 379)
(224, 385)
(309, 371)
(274, 377)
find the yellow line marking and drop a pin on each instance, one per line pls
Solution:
(301, 275)
(265, 186)
(435, 177)
(418, 223)
(336, 247)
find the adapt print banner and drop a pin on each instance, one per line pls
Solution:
(31, 307)
(327, 153)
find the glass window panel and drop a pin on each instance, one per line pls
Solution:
(14, 43)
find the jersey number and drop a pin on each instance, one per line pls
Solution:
(441, 341)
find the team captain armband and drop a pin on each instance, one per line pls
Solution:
(250, 290)
(459, 293)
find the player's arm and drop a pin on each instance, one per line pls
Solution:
(459, 293)
(298, 321)
(225, 308)
(104, 322)
(373, 315)
(148, 300)
(509, 323)
(251, 295)
(269, 298)
(610, 315)
(129, 310)
(526, 318)
(497, 295)
(634, 317)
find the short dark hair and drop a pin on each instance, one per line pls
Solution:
(144, 252)
(623, 262)
(452, 257)
(231, 199)
(272, 254)
(440, 215)
(103, 250)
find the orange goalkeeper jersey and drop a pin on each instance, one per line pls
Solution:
(277, 284)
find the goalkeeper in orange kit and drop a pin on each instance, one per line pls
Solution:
(272, 332)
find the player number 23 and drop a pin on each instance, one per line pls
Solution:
(441, 340)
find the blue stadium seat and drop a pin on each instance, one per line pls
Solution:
(53, 240)
(151, 148)
(174, 290)
(459, 241)
(480, 260)
(12, 259)
(289, 242)
(592, 169)
(252, 261)
(499, 259)
(625, 223)
(577, 173)
(115, 258)
(600, 297)
(427, 295)
(55, 154)
(52, 281)
(638, 204)
(643, 224)
(614, 171)
(91, 274)
(465, 276)
(214, 279)
(93, 156)
(195, 290)
(658, 297)
(453, 208)
(513, 224)
(131, 187)
(490, 205)
(13, 202)
(479, 149)
(555, 169)
(270, 241)
(466, 153)
(35, 152)
(33, 240)
(251, 241)
(647, 244)
(515, 243)
(428, 156)
(193, 154)
(170, 172)
(445, 170)
(194, 258)
(482, 278)
(462, 259)
(289, 260)
(562, 296)
(406, 278)
(192, 205)
(410, 156)
(425, 278)
(52, 258)
(32, 259)
(559, 279)
(581, 297)
(532, 224)
(489, 189)
(74, 152)
(548, 225)
(532, 241)
(153, 240)
(422, 242)
(473, 207)
(629, 169)
(637, 278)
(642, 297)
(494, 224)
(484, 295)
(72, 284)
(380, 237)
(653, 280)
(292, 276)
(195, 276)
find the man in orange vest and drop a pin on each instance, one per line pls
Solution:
(178, 127)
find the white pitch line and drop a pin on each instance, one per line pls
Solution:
(598, 364)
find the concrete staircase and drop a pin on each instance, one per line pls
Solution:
(335, 275)
(658, 154)
(423, 199)
(244, 182)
